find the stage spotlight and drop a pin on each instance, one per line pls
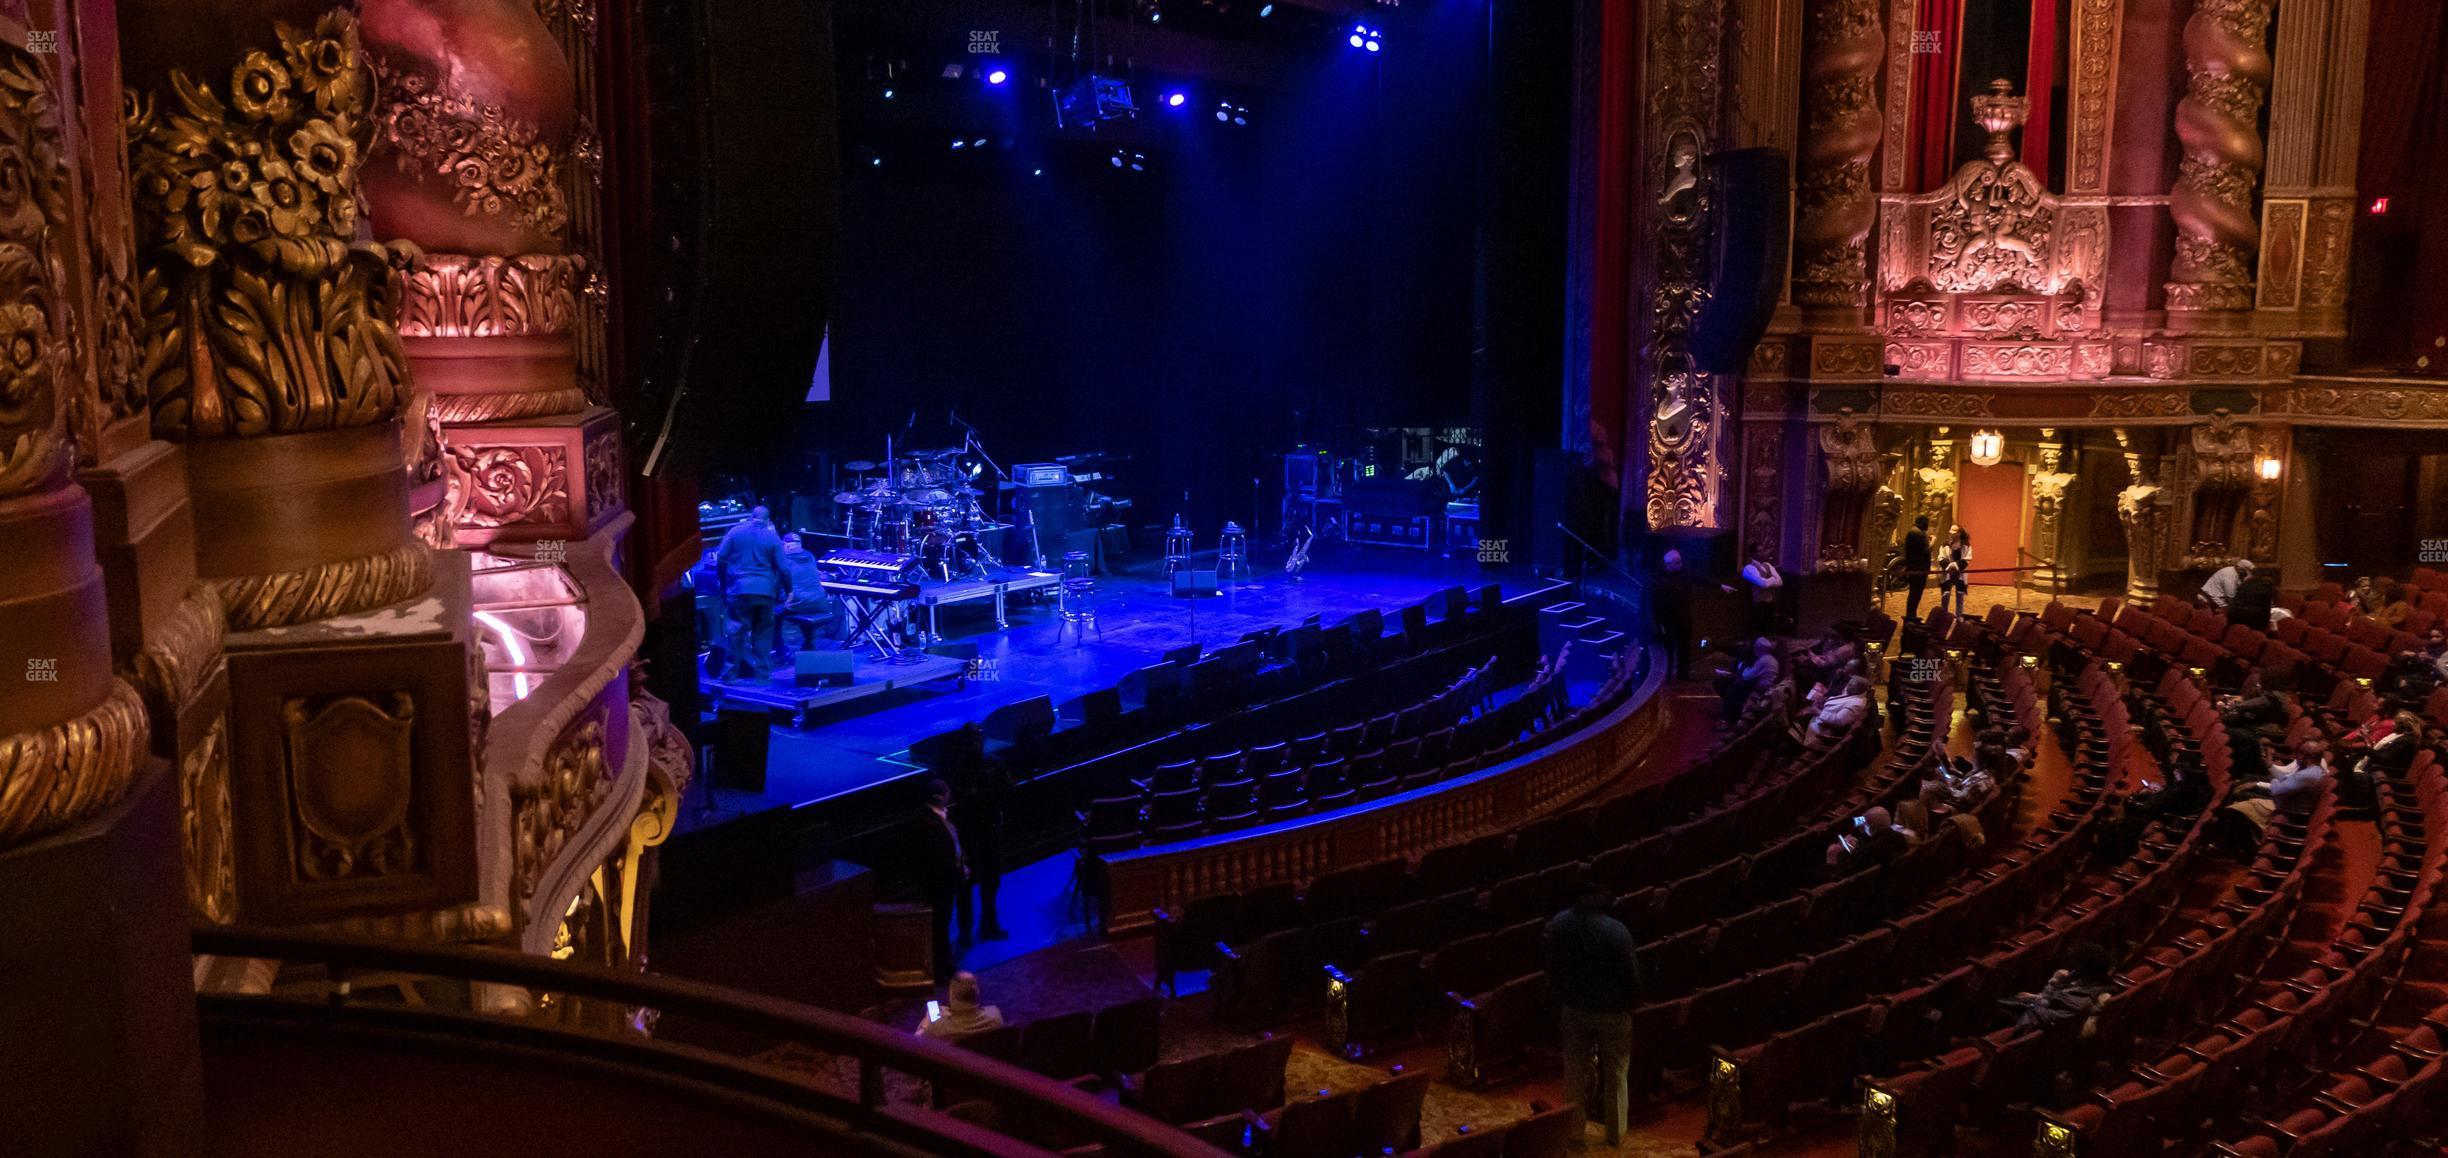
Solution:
(1036, 172)
(1231, 113)
(997, 76)
(888, 94)
(979, 143)
(1265, 10)
(1363, 36)
(958, 143)
(1174, 99)
(1120, 158)
(1138, 162)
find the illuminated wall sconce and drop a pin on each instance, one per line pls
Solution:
(1988, 446)
(2270, 467)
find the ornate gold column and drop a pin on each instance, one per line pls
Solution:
(1854, 477)
(1834, 207)
(95, 957)
(2316, 121)
(269, 347)
(479, 137)
(2218, 123)
(271, 356)
(1685, 412)
(2049, 483)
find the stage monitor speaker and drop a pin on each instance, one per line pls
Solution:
(740, 743)
(1754, 196)
(829, 667)
(1188, 583)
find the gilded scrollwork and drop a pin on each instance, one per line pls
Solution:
(545, 814)
(263, 314)
(204, 826)
(603, 474)
(495, 164)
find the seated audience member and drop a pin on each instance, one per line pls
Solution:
(2292, 787)
(1837, 651)
(2186, 791)
(1875, 839)
(1839, 713)
(2412, 674)
(2246, 719)
(2254, 599)
(2019, 747)
(1755, 676)
(2073, 992)
(2364, 598)
(2220, 589)
(2391, 757)
(2395, 607)
(961, 1016)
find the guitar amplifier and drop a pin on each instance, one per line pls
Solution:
(1041, 474)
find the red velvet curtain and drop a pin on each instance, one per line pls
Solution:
(2405, 133)
(1618, 209)
(2039, 83)
(1937, 49)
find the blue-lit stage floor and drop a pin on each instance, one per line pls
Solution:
(1138, 619)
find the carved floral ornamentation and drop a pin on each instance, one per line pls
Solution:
(497, 486)
(1834, 208)
(34, 321)
(71, 770)
(496, 165)
(263, 314)
(205, 826)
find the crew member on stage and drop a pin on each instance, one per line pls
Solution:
(942, 872)
(749, 563)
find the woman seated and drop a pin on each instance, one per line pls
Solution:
(1838, 714)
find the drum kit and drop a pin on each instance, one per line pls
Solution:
(921, 504)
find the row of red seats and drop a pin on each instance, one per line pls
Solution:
(1266, 944)
(1975, 1075)
(1492, 1032)
(1916, 964)
(2387, 1086)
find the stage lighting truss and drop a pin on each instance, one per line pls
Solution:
(1367, 37)
(1232, 114)
(1131, 159)
(1093, 100)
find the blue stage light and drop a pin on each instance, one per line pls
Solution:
(958, 143)
(997, 76)
(1363, 36)
(1174, 99)
(1356, 40)
(888, 94)
(1265, 10)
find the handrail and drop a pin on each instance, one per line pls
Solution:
(875, 1046)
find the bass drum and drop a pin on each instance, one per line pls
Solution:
(946, 553)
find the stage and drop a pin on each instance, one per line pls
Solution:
(857, 738)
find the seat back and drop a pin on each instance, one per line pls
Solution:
(1386, 1117)
(1060, 1047)
(1126, 1038)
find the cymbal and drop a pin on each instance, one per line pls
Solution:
(968, 492)
(847, 498)
(858, 466)
(931, 453)
(929, 497)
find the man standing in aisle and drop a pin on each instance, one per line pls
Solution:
(1916, 565)
(1595, 976)
(942, 872)
(1670, 600)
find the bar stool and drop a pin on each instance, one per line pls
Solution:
(1078, 596)
(1177, 543)
(1232, 557)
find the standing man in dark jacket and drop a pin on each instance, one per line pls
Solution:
(942, 871)
(1670, 603)
(1596, 978)
(978, 817)
(753, 579)
(1916, 565)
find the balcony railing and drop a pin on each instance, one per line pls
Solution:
(332, 988)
